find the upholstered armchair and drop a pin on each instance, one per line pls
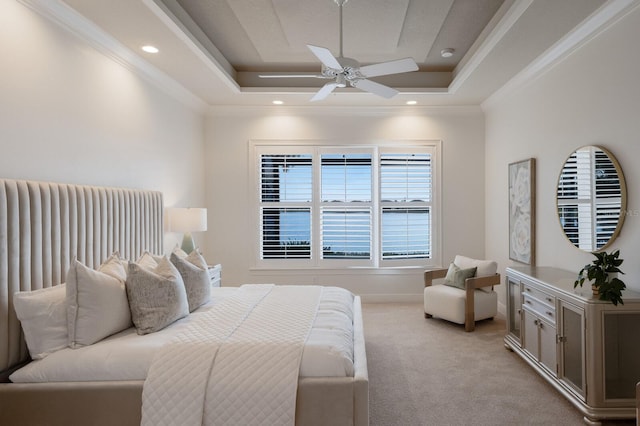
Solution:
(467, 294)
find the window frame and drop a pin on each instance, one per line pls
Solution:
(316, 148)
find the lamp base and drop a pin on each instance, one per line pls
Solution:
(187, 243)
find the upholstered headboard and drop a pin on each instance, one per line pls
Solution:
(43, 226)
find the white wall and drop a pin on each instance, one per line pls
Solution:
(70, 114)
(229, 239)
(590, 98)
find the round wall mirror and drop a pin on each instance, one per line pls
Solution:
(591, 198)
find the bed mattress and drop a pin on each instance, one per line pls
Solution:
(328, 351)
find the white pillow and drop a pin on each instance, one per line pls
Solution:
(485, 267)
(157, 297)
(43, 315)
(97, 304)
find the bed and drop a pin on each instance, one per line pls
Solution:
(42, 227)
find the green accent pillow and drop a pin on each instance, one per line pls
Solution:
(456, 276)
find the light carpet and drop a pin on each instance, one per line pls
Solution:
(431, 372)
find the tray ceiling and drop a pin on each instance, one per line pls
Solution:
(215, 49)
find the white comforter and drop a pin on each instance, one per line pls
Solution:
(238, 365)
(328, 351)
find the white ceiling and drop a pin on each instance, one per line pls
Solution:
(212, 50)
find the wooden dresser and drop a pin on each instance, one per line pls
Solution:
(588, 349)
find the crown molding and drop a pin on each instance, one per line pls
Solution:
(598, 22)
(478, 53)
(73, 22)
(344, 111)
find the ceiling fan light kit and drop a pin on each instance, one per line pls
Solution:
(347, 71)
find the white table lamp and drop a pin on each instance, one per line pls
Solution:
(187, 220)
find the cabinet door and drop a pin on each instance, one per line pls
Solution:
(548, 346)
(531, 338)
(514, 308)
(540, 340)
(621, 354)
(572, 346)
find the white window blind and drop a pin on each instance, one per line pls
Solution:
(346, 187)
(346, 178)
(406, 232)
(406, 182)
(345, 206)
(286, 233)
(346, 233)
(286, 189)
(286, 178)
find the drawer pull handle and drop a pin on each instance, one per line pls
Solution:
(549, 313)
(549, 299)
(527, 301)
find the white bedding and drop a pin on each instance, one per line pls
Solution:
(240, 366)
(328, 351)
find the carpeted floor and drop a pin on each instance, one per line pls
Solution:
(430, 372)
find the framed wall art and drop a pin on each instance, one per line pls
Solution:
(522, 195)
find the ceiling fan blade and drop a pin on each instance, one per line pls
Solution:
(391, 67)
(375, 88)
(324, 91)
(325, 56)
(292, 76)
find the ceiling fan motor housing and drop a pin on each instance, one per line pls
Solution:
(350, 70)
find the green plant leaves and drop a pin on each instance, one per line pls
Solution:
(598, 272)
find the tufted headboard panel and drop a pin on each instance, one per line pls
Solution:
(43, 226)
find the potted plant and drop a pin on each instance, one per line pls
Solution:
(602, 274)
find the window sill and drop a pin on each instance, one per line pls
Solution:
(353, 270)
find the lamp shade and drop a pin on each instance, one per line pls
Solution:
(187, 219)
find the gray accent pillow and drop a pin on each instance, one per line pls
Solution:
(456, 276)
(157, 297)
(195, 274)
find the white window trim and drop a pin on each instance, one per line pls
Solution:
(299, 146)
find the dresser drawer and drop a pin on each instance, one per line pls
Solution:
(545, 311)
(215, 275)
(539, 294)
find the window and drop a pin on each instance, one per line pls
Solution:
(332, 207)
(405, 188)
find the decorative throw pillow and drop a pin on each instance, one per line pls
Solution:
(485, 267)
(195, 274)
(43, 315)
(149, 261)
(157, 297)
(97, 304)
(456, 276)
(179, 252)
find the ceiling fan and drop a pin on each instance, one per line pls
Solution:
(347, 71)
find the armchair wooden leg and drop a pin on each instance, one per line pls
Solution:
(426, 315)
(469, 322)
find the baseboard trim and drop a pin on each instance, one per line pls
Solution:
(391, 298)
(502, 309)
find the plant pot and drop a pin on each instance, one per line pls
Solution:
(594, 289)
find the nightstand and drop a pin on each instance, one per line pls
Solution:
(215, 275)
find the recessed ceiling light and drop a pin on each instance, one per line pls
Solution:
(447, 53)
(412, 102)
(276, 102)
(150, 49)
